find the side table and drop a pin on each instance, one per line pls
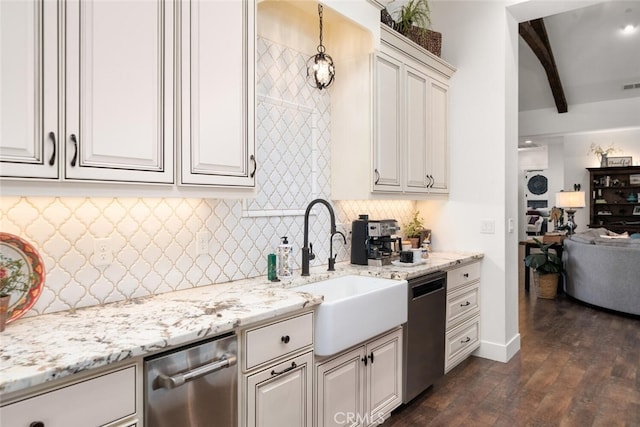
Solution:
(528, 244)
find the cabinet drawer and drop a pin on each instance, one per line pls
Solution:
(463, 304)
(277, 339)
(461, 342)
(462, 275)
(96, 401)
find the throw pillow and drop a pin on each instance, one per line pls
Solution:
(589, 235)
(533, 219)
(624, 235)
(635, 236)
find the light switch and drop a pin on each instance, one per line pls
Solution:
(487, 226)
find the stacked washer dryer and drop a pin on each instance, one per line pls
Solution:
(536, 190)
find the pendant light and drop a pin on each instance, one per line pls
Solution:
(320, 69)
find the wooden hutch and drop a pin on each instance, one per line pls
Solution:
(614, 198)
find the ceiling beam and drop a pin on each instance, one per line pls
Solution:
(534, 34)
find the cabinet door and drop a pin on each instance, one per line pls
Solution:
(387, 151)
(281, 395)
(29, 87)
(384, 376)
(340, 390)
(438, 138)
(119, 75)
(218, 100)
(416, 115)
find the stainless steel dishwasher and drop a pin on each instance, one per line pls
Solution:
(193, 386)
(424, 338)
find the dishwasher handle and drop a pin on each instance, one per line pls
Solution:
(423, 289)
(169, 382)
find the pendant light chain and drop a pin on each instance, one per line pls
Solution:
(321, 46)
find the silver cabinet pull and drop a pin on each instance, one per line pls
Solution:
(465, 304)
(377, 176)
(465, 341)
(169, 382)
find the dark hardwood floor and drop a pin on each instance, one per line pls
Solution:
(577, 366)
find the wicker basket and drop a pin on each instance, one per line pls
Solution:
(546, 285)
(430, 40)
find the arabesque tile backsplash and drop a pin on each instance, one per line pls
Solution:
(153, 239)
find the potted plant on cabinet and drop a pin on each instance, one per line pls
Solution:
(413, 228)
(413, 12)
(547, 267)
(12, 279)
(412, 20)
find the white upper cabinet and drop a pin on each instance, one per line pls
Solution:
(29, 146)
(387, 151)
(405, 103)
(438, 159)
(119, 91)
(417, 129)
(218, 101)
(414, 124)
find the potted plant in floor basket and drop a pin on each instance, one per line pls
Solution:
(413, 228)
(12, 279)
(547, 267)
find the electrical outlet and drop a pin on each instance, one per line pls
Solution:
(102, 252)
(202, 242)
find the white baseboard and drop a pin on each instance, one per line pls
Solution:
(499, 352)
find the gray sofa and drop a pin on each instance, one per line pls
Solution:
(602, 271)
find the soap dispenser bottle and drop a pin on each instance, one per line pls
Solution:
(285, 250)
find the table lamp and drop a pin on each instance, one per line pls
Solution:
(570, 200)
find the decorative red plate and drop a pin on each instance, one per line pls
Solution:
(13, 247)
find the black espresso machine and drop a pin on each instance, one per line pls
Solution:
(373, 241)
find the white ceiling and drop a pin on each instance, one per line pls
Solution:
(594, 58)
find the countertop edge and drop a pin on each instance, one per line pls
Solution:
(231, 306)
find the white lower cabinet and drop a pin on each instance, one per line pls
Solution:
(361, 386)
(463, 314)
(281, 395)
(277, 379)
(109, 399)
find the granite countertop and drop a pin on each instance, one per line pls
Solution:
(44, 348)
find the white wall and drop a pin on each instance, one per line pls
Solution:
(481, 41)
(595, 116)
